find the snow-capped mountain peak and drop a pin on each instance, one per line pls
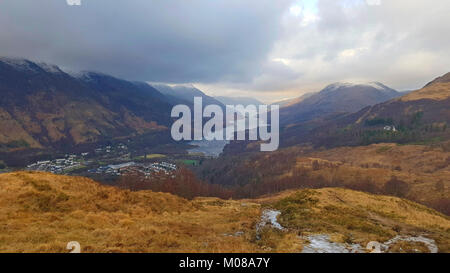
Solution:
(26, 65)
(338, 85)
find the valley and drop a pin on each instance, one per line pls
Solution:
(416, 172)
(214, 135)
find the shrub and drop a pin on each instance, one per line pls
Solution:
(396, 187)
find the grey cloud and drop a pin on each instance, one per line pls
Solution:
(236, 46)
(169, 41)
(401, 43)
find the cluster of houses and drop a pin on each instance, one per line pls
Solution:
(120, 149)
(116, 153)
(56, 166)
(132, 168)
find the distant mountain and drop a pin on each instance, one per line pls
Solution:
(421, 116)
(289, 102)
(186, 93)
(43, 107)
(336, 98)
(238, 101)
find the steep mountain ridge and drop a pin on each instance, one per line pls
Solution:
(41, 106)
(443, 79)
(421, 116)
(436, 91)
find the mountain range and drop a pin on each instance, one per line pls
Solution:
(325, 119)
(41, 106)
(418, 116)
(323, 189)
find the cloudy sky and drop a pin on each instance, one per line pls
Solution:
(269, 49)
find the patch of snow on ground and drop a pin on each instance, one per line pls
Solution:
(270, 217)
(430, 243)
(322, 244)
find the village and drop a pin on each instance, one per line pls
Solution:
(57, 166)
(132, 168)
(111, 161)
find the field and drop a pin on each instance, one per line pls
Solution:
(190, 162)
(150, 156)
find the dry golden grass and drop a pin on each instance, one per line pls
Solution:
(356, 217)
(437, 91)
(410, 158)
(41, 212)
(422, 167)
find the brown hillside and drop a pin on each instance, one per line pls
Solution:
(425, 169)
(50, 109)
(435, 91)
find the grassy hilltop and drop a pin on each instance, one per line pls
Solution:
(42, 212)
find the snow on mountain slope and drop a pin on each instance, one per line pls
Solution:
(341, 97)
(26, 65)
